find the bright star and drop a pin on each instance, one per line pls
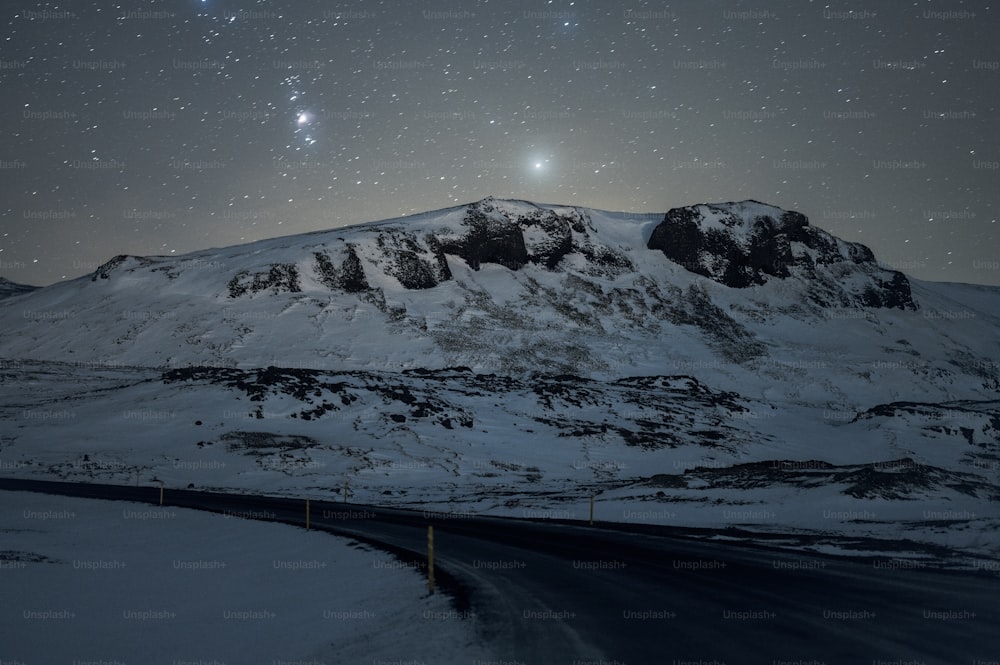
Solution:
(539, 165)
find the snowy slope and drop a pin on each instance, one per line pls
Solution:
(720, 364)
(9, 288)
(124, 581)
(506, 286)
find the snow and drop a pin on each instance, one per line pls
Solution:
(176, 312)
(736, 218)
(83, 396)
(118, 582)
(518, 457)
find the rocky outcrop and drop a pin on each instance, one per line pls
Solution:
(280, 277)
(746, 244)
(415, 262)
(352, 274)
(734, 249)
(349, 277)
(556, 237)
(491, 238)
(522, 234)
(105, 270)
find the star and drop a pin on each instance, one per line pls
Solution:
(537, 102)
(538, 164)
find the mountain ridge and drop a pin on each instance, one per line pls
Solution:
(515, 358)
(9, 288)
(497, 285)
(478, 213)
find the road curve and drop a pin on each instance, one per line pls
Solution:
(551, 593)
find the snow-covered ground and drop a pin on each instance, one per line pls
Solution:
(516, 359)
(667, 451)
(89, 581)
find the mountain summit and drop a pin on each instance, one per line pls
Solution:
(512, 287)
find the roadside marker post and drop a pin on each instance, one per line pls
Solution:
(430, 559)
(307, 514)
(161, 492)
(591, 510)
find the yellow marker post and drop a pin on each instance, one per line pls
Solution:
(430, 559)
(307, 514)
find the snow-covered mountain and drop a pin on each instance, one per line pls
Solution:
(509, 356)
(9, 288)
(744, 289)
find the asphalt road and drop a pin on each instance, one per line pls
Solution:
(551, 593)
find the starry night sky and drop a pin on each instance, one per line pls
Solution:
(166, 127)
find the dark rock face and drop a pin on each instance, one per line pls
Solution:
(412, 271)
(326, 272)
(745, 244)
(719, 254)
(280, 277)
(560, 243)
(352, 274)
(350, 277)
(440, 261)
(104, 270)
(490, 233)
(416, 263)
(680, 239)
(893, 292)
(489, 240)
(540, 237)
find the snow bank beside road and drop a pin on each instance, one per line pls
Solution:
(99, 581)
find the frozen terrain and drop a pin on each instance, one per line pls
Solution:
(722, 365)
(121, 582)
